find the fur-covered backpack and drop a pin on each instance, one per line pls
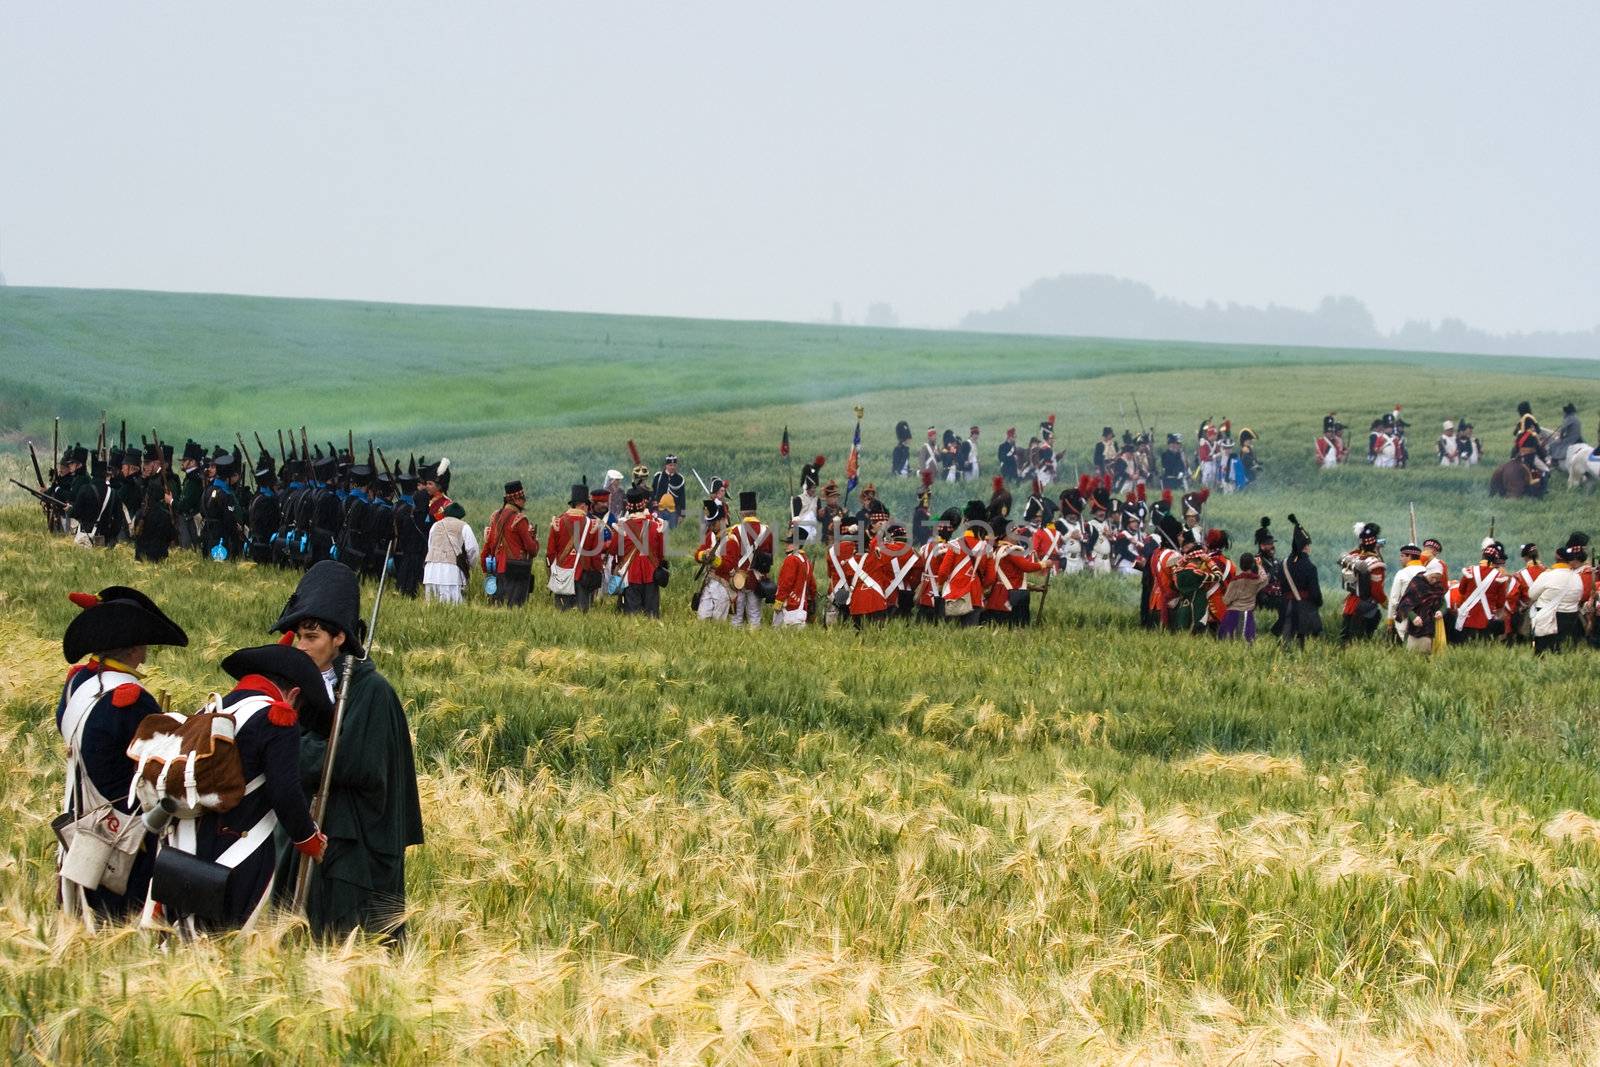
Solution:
(192, 759)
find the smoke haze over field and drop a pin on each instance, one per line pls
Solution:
(911, 161)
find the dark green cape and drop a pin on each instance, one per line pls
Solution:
(372, 813)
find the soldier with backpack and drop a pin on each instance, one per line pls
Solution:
(226, 800)
(106, 858)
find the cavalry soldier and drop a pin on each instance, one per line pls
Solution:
(1364, 574)
(797, 584)
(572, 552)
(750, 545)
(1482, 592)
(668, 491)
(715, 594)
(1007, 600)
(277, 685)
(640, 547)
(1527, 443)
(107, 858)
(509, 548)
(372, 813)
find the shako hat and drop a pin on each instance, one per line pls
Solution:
(975, 511)
(1367, 533)
(747, 502)
(114, 618)
(285, 662)
(513, 487)
(436, 472)
(950, 517)
(192, 450)
(1264, 532)
(637, 498)
(329, 592)
(577, 495)
(1300, 538)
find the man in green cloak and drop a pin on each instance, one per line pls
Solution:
(372, 813)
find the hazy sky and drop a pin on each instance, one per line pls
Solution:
(755, 160)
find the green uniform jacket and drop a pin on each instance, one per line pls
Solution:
(188, 502)
(372, 815)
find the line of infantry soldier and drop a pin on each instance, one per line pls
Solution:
(295, 785)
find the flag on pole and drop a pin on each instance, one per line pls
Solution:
(783, 449)
(852, 464)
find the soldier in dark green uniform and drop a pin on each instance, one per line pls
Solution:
(373, 813)
(188, 502)
(157, 523)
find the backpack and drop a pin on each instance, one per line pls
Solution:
(192, 759)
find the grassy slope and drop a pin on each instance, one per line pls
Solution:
(1079, 843)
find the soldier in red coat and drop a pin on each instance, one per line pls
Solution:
(929, 608)
(639, 546)
(841, 567)
(573, 550)
(749, 546)
(965, 570)
(715, 594)
(1006, 603)
(797, 584)
(1483, 593)
(509, 547)
(1363, 572)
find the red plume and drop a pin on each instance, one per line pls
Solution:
(633, 450)
(1138, 492)
(927, 479)
(819, 460)
(83, 600)
(999, 484)
(1203, 495)
(1038, 489)
(1105, 482)
(1166, 497)
(287, 638)
(1052, 419)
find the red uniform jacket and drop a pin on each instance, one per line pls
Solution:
(841, 563)
(1483, 590)
(927, 579)
(1521, 582)
(797, 584)
(1011, 565)
(562, 546)
(1046, 540)
(744, 541)
(639, 544)
(1377, 570)
(510, 537)
(966, 567)
(883, 572)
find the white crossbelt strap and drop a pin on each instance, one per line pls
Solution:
(1480, 593)
(955, 572)
(1005, 550)
(901, 567)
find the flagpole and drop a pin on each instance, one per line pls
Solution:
(853, 462)
(788, 462)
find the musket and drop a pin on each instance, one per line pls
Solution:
(55, 444)
(102, 447)
(42, 497)
(172, 512)
(1491, 527)
(1044, 594)
(386, 468)
(319, 803)
(38, 475)
(305, 452)
(701, 480)
(1413, 508)
(351, 446)
(259, 445)
(122, 438)
(244, 460)
(283, 454)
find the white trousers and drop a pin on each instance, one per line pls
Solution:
(444, 594)
(713, 601)
(746, 608)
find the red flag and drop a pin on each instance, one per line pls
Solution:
(783, 449)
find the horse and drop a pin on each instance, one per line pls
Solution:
(1512, 479)
(1582, 465)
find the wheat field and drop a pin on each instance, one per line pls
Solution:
(663, 842)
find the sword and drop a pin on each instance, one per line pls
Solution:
(319, 803)
(701, 480)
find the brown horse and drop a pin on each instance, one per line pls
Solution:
(1513, 479)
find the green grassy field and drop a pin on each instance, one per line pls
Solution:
(663, 842)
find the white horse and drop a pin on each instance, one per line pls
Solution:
(1582, 465)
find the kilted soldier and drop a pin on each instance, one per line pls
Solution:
(797, 584)
(640, 547)
(750, 544)
(668, 491)
(509, 547)
(372, 813)
(107, 858)
(714, 596)
(572, 552)
(277, 686)
(1364, 575)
